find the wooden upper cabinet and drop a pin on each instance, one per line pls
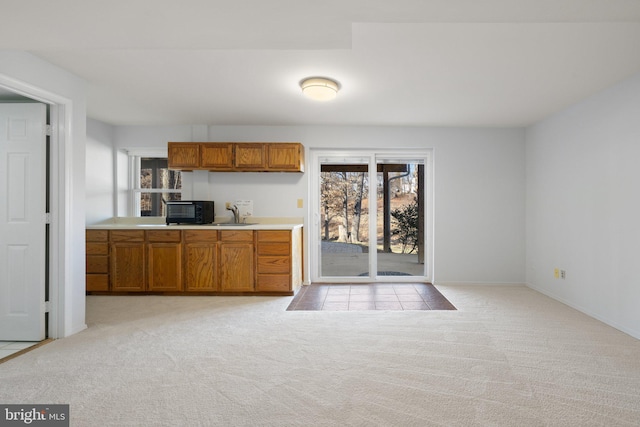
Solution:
(216, 156)
(285, 157)
(237, 156)
(250, 157)
(184, 156)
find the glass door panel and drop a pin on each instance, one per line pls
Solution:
(400, 217)
(344, 217)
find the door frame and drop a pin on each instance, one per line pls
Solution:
(60, 113)
(315, 241)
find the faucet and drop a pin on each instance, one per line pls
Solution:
(236, 213)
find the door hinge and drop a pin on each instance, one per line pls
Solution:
(47, 306)
(47, 130)
(47, 218)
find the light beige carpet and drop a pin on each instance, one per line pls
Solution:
(508, 356)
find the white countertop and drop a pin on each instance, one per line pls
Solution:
(136, 223)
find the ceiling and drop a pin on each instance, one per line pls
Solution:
(506, 63)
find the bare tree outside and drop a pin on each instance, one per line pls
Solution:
(342, 198)
(345, 206)
(155, 175)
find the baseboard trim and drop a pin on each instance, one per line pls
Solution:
(635, 334)
(443, 283)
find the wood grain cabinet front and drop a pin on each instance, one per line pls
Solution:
(249, 157)
(164, 254)
(278, 260)
(201, 260)
(128, 261)
(236, 261)
(194, 260)
(285, 157)
(128, 267)
(97, 260)
(216, 157)
(237, 156)
(142, 261)
(184, 156)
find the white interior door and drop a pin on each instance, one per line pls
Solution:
(22, 221)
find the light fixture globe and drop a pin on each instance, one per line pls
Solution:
(320, 88)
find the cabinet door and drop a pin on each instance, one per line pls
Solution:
(183, 155)
(216, 156)
(285, 157)
(201, 267)
(236, 261)
(250, 157)
(128, 267)
(201, 260)
(165, 266)
(236, 267)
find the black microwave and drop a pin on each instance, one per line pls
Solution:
(189, 212)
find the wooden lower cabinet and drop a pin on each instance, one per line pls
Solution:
(164, 255)
(97, 265)
(279, 264)
(201, 261)
(128, 264)
(165, 267)
(194, 261)
(236, 261)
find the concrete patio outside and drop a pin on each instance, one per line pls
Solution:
(345, 259)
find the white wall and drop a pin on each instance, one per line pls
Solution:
(583, 205)
(100, 172)
(479, 186)
(41, 80)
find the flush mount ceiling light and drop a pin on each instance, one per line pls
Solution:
(320, 88)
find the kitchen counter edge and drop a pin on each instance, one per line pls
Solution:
(192, 227)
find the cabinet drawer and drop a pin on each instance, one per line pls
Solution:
(274, 236)
(273, 264)
(97, 235)
(97, 282)
(169, 236)
(97, 264)
(204, 236)
(97, 248)
(127, 235)
(236, 235)
(273, 249)
(275, 283)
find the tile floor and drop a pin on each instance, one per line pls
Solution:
(401, 296)
(7, 348)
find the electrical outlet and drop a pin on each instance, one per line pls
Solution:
(556, 273)
(563, 274)
(299, 203)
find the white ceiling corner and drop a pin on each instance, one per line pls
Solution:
(434, 63)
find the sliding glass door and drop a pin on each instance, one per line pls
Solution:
(372, 216)
(344, 216)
